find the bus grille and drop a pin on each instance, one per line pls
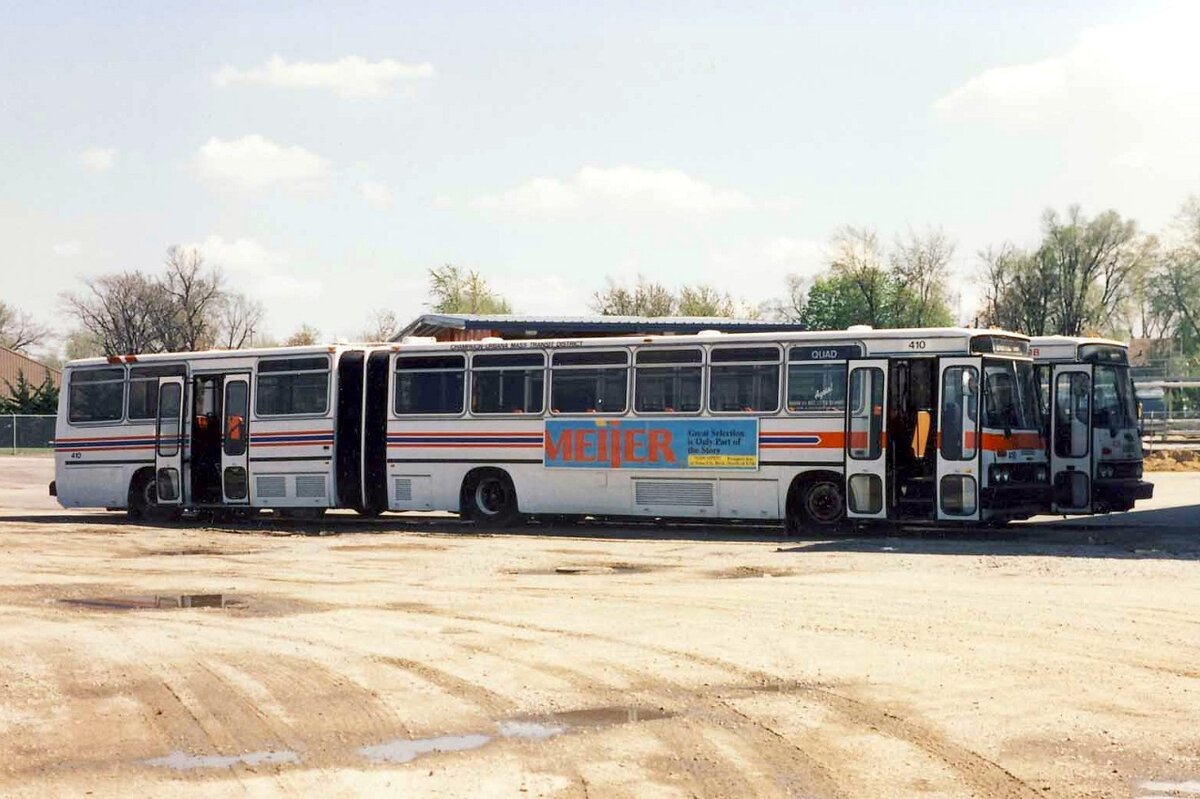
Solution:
(676, 493)
(270, 486)
(404, 489)
(310, 486)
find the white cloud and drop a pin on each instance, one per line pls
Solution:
(1125, 92)
(254, 162)
(352, 76)
(623, 187)
(66, 249)
(98, 159)
(795, 254)
(257, 269)
(377, 194)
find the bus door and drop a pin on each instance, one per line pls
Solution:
(1071, 438)
(866, 439)
(959, 442)
(235, 440)
(168, 442)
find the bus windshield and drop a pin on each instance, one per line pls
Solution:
(1011, 396)
(1112, 398)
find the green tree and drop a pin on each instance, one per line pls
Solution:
(24, 397)
(454, 290)
(705, 300)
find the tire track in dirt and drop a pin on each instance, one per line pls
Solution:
(974, 769)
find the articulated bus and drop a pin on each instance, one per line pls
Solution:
(1094, 436)
(924, 425)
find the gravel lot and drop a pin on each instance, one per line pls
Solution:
(420, 657)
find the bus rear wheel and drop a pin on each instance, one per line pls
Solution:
(489, 497)
(818, 503)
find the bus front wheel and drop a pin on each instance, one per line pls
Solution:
(142, 502)
(489, 497)
(819, 502)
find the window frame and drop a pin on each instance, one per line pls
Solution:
(470, 384)
(393, 384)
(840, 366)
(628, 367)
(779, 363)
(701, 364)
(257, 393)
(175, 369)
(124, 381)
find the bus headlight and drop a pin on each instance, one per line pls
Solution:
(1105, 471)
(1041, 474)
(1000, 475)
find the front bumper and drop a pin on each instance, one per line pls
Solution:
(1119, 494)
(1016, 499)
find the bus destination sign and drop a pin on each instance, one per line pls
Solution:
(651, 443)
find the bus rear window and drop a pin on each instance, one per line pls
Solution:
(293, 387)
(96, 395)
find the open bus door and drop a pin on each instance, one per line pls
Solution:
(959, 442)
(1071, 438)
(235, 440)
(866, 439)
(168, 442)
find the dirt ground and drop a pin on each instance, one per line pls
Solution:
(420, 657)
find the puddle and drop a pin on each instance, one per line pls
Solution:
(257, 605)
(182, 761)
(153, 553)
(593, 568)
(155, 601)
(531, 728)
(404, 750)
(744, 572)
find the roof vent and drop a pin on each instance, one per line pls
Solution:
(490, 340)
(859, 328)
(418, 340)
(709, 333)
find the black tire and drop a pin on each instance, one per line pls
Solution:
(490, 498)
(817, 504)
(142, 502)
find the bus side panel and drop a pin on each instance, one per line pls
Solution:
(291, 462)
(94, 464)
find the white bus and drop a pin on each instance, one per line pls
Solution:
(1095, 444)
(811, 428)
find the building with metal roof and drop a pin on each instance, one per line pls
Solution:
(473, 327)
(13, 364)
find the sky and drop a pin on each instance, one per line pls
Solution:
(326, 156)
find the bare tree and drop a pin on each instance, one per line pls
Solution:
(921, 264)
(643, 299)
(454, 290)
(789, 307)
(238, 321)
(195, 296)
(1018, 294)
(383, 326)
(18, 330)
(1092, 263)
(305, 334)
(122, 312)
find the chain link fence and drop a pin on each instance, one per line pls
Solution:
(26, 433)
